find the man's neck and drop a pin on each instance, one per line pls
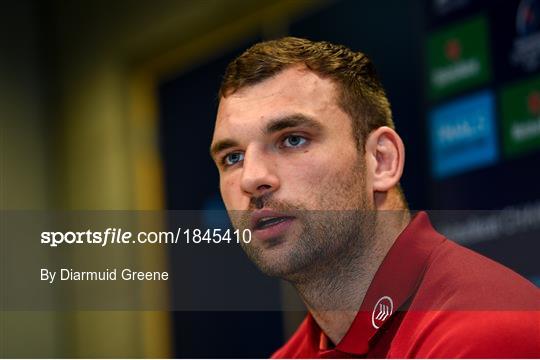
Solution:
(334, 292)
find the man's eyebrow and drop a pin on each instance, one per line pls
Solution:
(290, 121)
(222, 145)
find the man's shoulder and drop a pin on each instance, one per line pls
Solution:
(470, 306)
(468, 334)
(457, 278)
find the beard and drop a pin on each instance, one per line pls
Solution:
(321, 240)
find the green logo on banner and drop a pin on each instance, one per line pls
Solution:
(520, 106)
(458, 58)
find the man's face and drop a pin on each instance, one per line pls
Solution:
(287, 161)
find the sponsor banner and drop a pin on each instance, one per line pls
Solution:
(520, 108)
(463, 135)
(517, 30)
(458, 58)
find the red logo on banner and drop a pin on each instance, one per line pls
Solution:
(533, 103)
(452, 49)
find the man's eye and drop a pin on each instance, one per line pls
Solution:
(233, 158)
(294, 141)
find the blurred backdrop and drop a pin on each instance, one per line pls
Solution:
(109, 105)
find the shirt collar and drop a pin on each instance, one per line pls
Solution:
(393, 284)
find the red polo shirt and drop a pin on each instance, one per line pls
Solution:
(432, 298)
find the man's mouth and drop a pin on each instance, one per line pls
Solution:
(267, 222)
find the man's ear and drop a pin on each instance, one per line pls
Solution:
(385, 154)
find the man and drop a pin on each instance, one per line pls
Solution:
(309, 161)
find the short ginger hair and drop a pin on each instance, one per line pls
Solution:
(360, 92)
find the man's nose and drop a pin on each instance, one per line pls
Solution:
(258, 174)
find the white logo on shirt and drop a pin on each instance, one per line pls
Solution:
(382, 310)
